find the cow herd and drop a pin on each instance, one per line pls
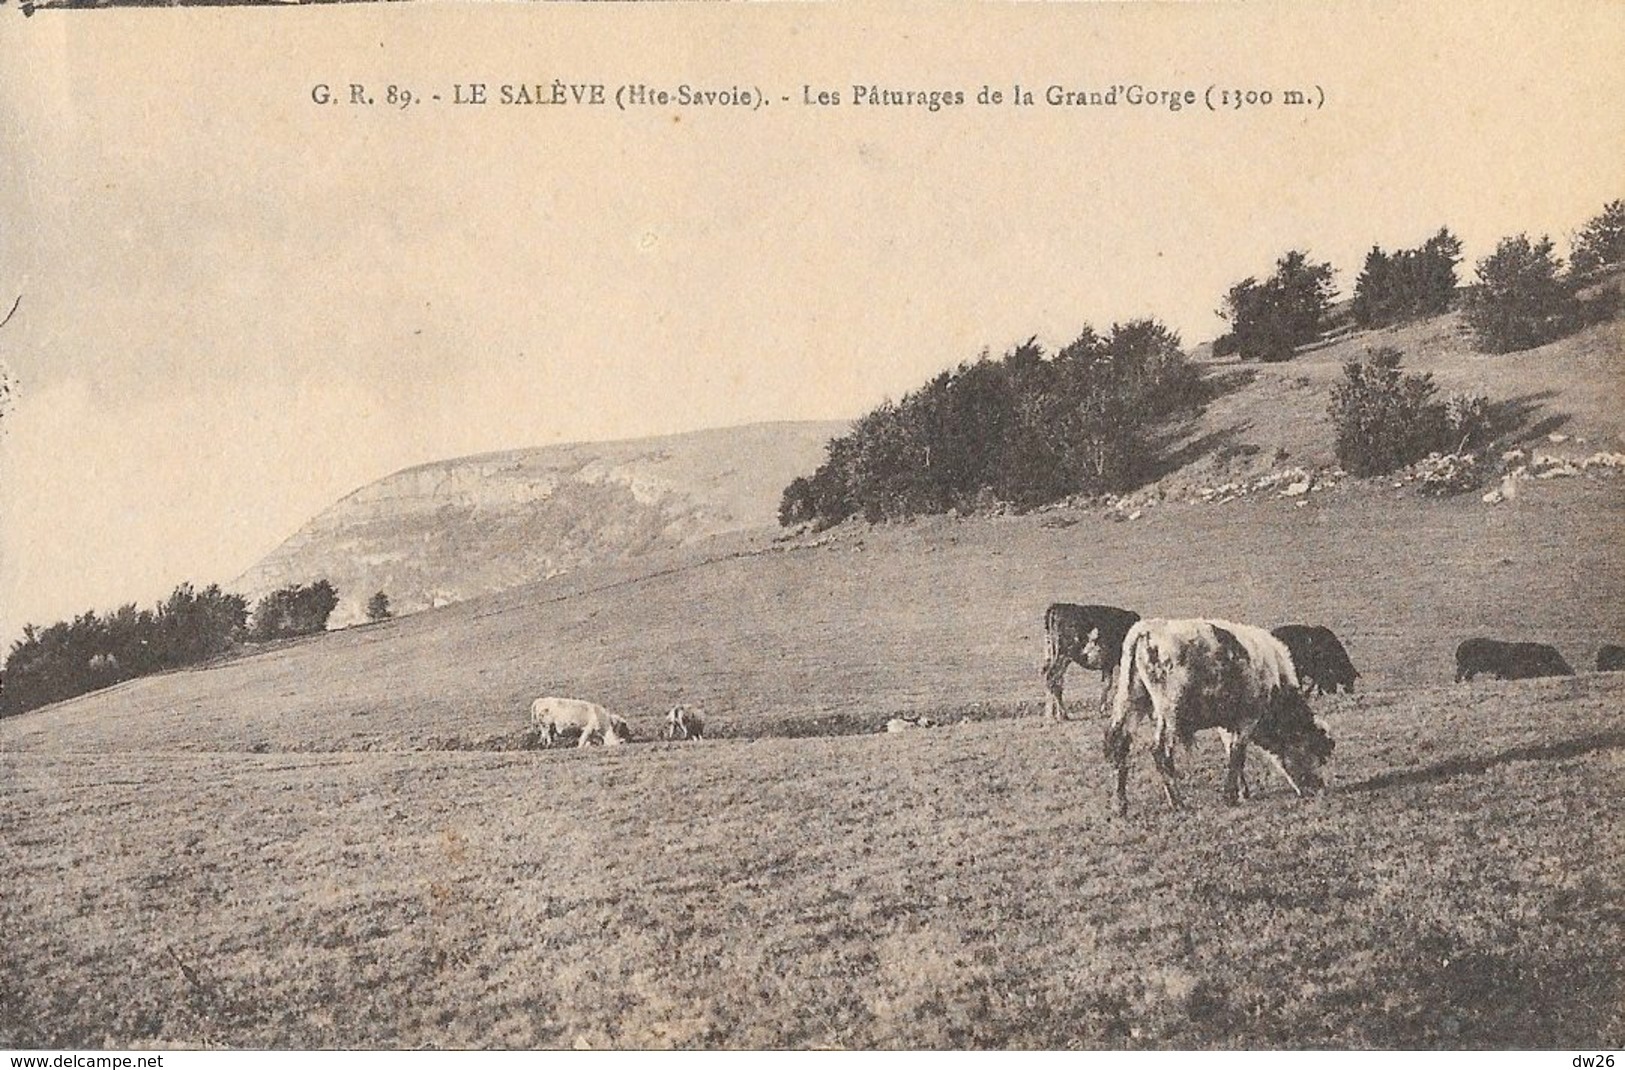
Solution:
(554, 719)
(1172, 678)
(1178, 677)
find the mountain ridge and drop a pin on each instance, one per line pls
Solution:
(444, 531)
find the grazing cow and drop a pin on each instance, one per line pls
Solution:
(908, 722)
(1508, 661)
(1092, 636)
(1611, 658)
(557, 718)
(685, 722)
(1184, 676)
(1322, 663)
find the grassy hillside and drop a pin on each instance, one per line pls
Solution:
(1459, 888)
(1571, 387)
(177, 872)
(832, 633)
(445, 532)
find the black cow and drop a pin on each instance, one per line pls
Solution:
(1508, 661)
(1092, 636)
(1611, 658)
(1322, 663)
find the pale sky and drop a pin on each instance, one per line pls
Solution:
(239, 305)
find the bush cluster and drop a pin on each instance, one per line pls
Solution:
(1384, 419)
(1522, 299)
(1270, 319)
(1022, 430)
(293, 610)
(1601, 242)
(72, 657)
(1408, 283)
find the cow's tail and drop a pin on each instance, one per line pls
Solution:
(1052, 639)
(1128, 691)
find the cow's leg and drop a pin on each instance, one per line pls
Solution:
(1235, 769)
(1054, 679)
(1163, 754)
(1108, 677)
(586, 739)
(1117, 748)
(1275, 760)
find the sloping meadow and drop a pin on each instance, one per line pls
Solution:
(833, 633)
(966, 886)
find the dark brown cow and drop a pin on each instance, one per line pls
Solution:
(1322, 663)
(1508, 661)
(1183, 676)
(1611, 658)
(1092, 636)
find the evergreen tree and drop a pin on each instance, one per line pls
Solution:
(1269, 319)
(1521, 300)
(1601, 242)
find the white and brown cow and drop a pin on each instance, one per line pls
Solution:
(1091, 636)
(1183, 676)
(557, 718)
(685, 722)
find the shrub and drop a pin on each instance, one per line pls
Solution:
(72, 657)
(1269, 319)
(1468, 420)
(294, 610)
(1521, 300)
(1022, 430)
(1601, 242)
(1384, 420)
(378, 607)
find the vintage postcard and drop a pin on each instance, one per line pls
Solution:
(806, 526)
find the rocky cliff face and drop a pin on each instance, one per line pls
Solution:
(443, 532)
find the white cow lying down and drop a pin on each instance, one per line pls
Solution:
(907, 722)
(556, 718)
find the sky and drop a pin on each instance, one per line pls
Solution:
(239, 305)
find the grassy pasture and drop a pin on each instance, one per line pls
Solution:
(1569, 386)
(1459, 887)
(335, 842)
(832, 634)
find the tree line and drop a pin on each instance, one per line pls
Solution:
(1025, 429)
(1032, 428)
(94, 650)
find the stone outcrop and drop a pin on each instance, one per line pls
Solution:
(443, 532)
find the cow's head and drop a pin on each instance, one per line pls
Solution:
(1289, 734)
(1302, 757)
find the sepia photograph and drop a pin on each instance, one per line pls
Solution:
(801, 526)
